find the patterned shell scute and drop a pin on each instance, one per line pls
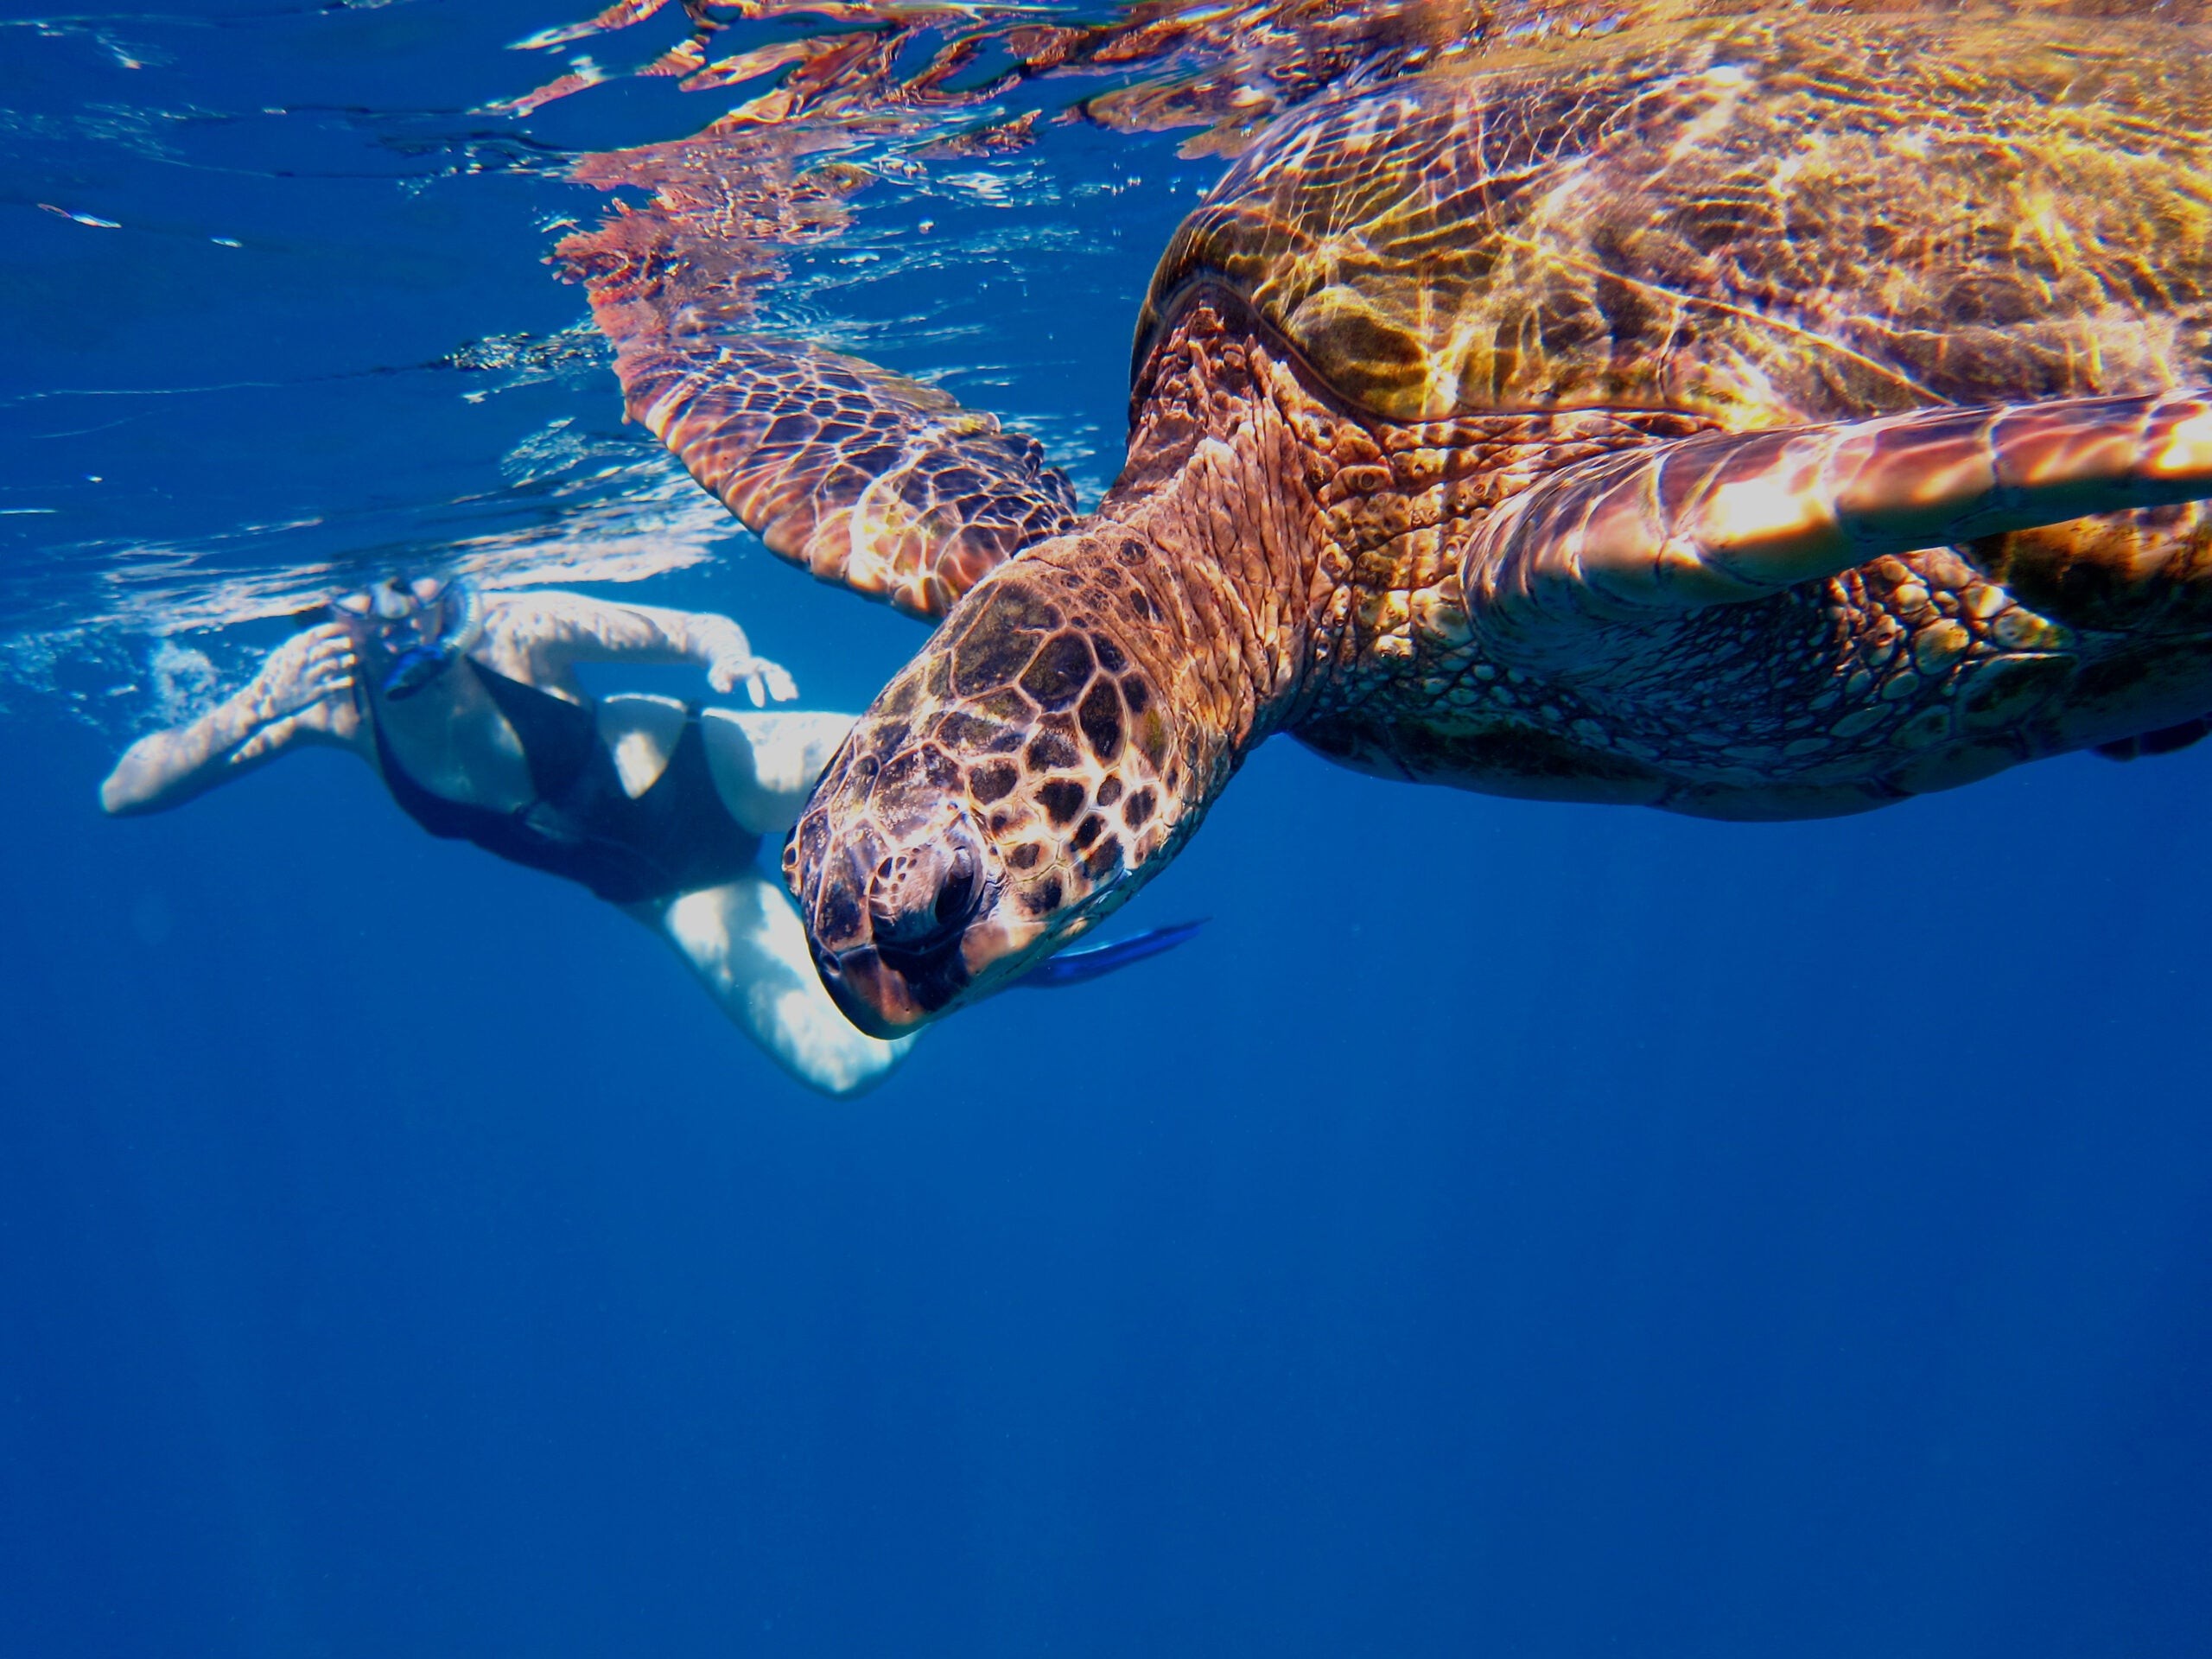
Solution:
(1754, 220)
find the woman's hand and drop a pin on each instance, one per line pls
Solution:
(727, 655)
(311, 670)
(314, 664)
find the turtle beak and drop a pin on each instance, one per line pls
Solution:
(903, 934)
(882, 1001)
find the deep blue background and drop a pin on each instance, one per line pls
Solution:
(1510, 1228)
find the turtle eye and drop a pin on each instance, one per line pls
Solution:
(956, 894)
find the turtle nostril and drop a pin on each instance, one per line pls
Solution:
(922, 898)
(956, 893)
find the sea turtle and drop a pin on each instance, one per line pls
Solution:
(1754, 411)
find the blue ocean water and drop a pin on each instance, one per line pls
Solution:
(1508, 1227)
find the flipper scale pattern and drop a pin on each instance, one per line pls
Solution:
(863, 476)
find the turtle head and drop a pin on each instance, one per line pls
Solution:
(1013, 785)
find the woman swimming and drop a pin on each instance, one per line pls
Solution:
(469, 707)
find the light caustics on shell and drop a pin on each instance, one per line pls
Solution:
(832, 98)
(1427, 254)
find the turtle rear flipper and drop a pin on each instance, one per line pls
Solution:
(1724, 518)
(863, 476)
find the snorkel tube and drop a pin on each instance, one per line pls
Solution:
(460, 624)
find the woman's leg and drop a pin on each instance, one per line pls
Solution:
(764, 765)
(744, 941)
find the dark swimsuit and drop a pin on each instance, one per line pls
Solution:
(677, 837)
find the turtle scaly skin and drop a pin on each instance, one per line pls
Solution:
(1758, 415)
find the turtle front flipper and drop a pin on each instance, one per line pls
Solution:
(863, 476)
(1725, 517)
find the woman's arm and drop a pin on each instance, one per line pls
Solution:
(303, 694)
(538, 638)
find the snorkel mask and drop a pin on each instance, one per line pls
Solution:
(414, 629)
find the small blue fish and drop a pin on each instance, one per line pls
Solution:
(1076, 967)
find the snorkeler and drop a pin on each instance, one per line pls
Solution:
(469, 707)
